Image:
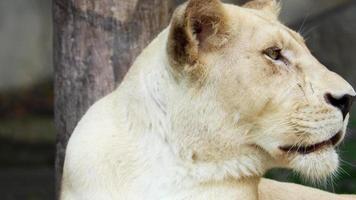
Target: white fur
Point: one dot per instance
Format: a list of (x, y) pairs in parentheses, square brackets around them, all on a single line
[(119, 149), (157, 138)]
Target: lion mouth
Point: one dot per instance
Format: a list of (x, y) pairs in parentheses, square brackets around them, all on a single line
[(315, 147)]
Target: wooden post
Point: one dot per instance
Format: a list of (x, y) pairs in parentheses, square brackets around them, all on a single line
[(95, 43)]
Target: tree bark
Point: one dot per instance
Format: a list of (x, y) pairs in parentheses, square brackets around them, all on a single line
[(95, 43)]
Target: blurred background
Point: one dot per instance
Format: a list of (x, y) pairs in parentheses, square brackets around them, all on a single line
[(27, 135)]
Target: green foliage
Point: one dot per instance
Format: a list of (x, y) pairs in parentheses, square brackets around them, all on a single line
[(353, 122), (28, 129)]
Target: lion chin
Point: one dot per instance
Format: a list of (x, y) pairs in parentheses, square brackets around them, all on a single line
[(318, 166), (315, 162)]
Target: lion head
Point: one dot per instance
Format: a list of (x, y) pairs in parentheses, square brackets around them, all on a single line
[(249, 95)]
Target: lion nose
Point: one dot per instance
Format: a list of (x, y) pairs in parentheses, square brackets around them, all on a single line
[(343, 103)]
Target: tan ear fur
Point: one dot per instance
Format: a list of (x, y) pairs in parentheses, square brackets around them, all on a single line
[(271, 6), (197, 27), (207, 21)]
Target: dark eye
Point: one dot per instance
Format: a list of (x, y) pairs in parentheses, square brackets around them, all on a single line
[(274, 53)]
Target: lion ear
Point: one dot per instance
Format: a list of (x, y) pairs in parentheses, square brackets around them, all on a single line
[(271, 6), (198, 26)]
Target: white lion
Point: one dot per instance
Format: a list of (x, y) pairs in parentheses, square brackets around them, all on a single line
[(222, 95)]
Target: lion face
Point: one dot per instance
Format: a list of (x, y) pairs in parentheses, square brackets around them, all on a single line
[(264, 92), (297, 108)]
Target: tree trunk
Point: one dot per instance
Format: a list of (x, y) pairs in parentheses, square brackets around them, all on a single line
[(95, 43)]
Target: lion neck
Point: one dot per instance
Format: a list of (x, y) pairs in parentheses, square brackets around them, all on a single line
[(177, 122)]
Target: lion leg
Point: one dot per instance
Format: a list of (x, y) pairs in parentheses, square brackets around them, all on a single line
[(274, 190)]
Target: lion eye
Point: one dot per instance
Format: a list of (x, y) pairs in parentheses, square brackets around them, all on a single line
[(274, 53)]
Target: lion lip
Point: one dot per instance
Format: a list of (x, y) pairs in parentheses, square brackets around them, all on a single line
[(333, 141)]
